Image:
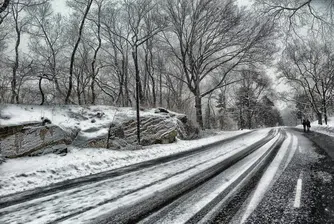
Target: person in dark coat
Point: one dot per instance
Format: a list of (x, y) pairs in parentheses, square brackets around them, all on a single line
[(304, 125), (308, 125)]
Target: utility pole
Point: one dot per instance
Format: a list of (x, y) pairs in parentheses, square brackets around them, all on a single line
[(135, 58)]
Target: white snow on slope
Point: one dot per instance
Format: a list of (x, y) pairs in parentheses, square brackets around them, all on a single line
[(69, 117), (30, 172)]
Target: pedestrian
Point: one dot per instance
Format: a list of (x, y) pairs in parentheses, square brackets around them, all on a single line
[(308, 124), (304, 125)]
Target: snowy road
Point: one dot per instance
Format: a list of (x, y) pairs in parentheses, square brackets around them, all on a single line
[(260, 177)]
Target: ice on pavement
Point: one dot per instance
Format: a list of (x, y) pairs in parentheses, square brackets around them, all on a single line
[(121, 191), (268, 177), (210, 159), (30, 172), (212, 189)]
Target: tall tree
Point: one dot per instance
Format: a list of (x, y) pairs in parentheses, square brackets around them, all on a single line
[(213, 37), (253, 86), (133, 13), (76, 45), (20, 21), (309, 65), (46, 44)]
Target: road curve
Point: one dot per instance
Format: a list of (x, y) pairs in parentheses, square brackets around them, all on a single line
[(132, 194)]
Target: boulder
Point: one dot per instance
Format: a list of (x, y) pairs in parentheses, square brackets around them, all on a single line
[(120, 136), (25, 140), (158, 130), (187, 130)]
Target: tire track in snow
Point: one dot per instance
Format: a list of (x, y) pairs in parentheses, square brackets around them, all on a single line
[(71, 202), (267, 179)]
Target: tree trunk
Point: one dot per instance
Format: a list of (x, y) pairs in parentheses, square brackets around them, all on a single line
[(160, 87), (154, 92), (319, 118), (94, 72), (15, 96), (78, 91), (138, 92), (324, 105), (249, 119), (41, 90), (241, 119), (198, 106), (70, 80), (208, 116), (126, 78)]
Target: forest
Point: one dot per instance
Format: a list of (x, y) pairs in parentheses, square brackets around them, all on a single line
[(210, 59)]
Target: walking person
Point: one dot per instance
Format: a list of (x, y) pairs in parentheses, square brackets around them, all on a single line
[(308, 124), (304, 125)]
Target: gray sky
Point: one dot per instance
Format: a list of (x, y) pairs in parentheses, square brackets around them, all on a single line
[(59, 5)]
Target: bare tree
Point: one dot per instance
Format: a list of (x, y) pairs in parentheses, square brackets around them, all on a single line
[(20, 22), (253, 86), (95, 70), (296, 16), (76, 45), (133, 12), (213, 37), (46, 43), (309, 66)]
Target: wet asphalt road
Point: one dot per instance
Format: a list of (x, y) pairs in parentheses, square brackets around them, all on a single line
[(313, 167), (299, 190)]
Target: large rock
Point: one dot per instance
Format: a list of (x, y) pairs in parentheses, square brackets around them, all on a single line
[(162, 128), (154, 130), (186, 129), (25, 140)]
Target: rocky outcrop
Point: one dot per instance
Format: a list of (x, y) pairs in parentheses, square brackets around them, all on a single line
[(160, 129), (158, 126), (187, 130), (32, 139)]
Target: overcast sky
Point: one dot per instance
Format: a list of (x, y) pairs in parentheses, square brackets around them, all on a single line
[(59, 5)]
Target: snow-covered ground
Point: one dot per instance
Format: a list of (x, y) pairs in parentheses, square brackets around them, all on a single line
[(70, 117), (30, 172), (324, 129), (111, 194)]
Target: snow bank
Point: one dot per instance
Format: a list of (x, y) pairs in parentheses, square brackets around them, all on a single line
[(30, 172), (69, 117)]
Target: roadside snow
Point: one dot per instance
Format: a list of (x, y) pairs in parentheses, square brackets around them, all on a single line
[(97, 198), (30, 172)]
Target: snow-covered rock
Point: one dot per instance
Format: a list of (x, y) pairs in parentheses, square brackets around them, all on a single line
[(88, 127), (154, 130), (32, 139)]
